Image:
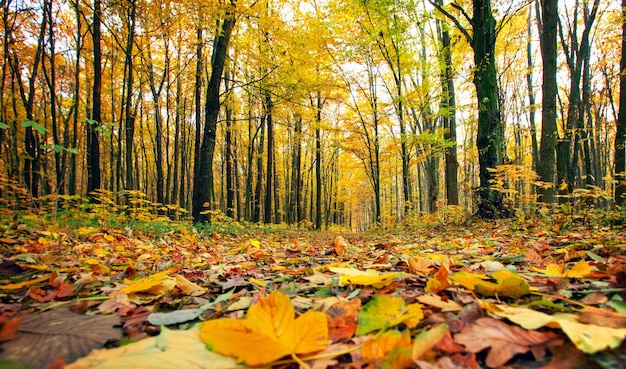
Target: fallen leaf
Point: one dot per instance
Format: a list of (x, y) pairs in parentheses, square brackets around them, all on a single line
[(44, 337), (508, 284), (602, 317), (187, 287), (579, 270), (145, 285), (504, 340), (438, 302), (170, 349), (420, 266), (342, 320), (341, 245), (426, 340), (390, 349), (383, 312), (438, 282), (268, 333), (589, 338)]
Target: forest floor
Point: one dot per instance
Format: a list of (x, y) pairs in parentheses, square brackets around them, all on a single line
[(539, 293)]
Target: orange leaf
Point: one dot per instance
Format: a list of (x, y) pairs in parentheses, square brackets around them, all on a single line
[(268, 333), (438, 282), (342, 319), (391, 349), (8, 328), (340, 244)]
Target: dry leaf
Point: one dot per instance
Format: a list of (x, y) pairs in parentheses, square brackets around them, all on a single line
[(391, 349), (342, 320), (504, 340), (438, 282), (341, 245), (602, 317)]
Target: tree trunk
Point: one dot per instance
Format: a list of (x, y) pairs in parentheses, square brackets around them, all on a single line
[(549, 134), (620, 136), (203, 178), (531, 93), (156, 88), (318, 163), (269, 174), (93, 149), (129, 116), (490, 135), (449, 119), (228, 148)]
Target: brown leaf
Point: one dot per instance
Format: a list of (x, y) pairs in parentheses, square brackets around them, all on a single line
[(43, 338), (602, 317), (343, 319), (595, 298), (505, 341)]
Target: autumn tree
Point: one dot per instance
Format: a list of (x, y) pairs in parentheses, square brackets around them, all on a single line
[(620, 135), (203, 177), (549, 134), (490, 135)]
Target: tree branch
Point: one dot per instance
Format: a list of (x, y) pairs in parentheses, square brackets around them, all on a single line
[(454, 19)]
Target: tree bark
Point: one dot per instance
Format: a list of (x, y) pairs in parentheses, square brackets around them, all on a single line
[(620, 136), (449, 120), (549, 134), (129, 115), (490, 135), (93, 149), (269, 174), (203, 178)]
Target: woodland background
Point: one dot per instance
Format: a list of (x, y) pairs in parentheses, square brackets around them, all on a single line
[(315, 113)]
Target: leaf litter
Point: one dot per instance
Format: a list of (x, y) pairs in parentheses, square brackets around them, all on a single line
[(504, 294)]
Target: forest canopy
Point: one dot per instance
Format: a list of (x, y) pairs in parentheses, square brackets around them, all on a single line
[(315, 113)]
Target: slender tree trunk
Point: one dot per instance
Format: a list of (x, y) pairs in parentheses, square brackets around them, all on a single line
[(228, 148), (50, 76), (318, 163), (93, 149), (269, 174), (198, 97), (295, 202), (256, 216), (156, 88), (531, 93), (129, 116), (203, 178), (620, 136)]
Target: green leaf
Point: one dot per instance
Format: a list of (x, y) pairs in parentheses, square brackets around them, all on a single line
[(4, 126), (38, 127)]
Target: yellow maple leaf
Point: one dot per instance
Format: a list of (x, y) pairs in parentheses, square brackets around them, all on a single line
[(579, 270), (269, 332)]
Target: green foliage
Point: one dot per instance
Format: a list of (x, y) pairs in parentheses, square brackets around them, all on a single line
[(36, 126)]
